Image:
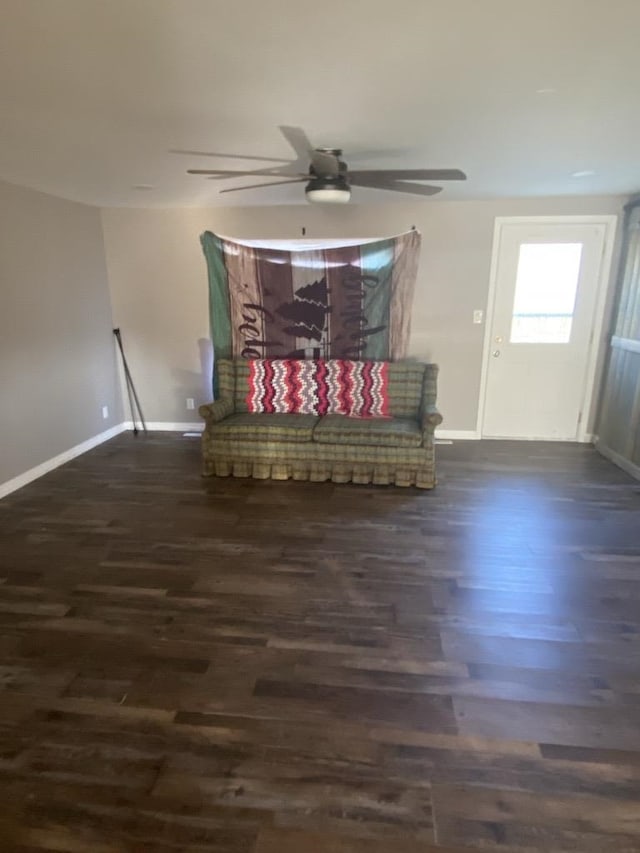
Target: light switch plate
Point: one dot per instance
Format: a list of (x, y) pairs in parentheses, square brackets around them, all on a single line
[(478, 315)]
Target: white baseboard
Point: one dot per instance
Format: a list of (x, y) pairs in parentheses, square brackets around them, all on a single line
[(168, 426), (457, 434), (40, 470)]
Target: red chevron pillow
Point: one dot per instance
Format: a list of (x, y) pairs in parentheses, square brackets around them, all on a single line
[(283, 386), (358, 389)]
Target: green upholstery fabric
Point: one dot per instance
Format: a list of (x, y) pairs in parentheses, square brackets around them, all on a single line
[(380, 432), (226, 374), (216, 411), (277, 427), (241, 385), (341, 463), (406, 379)]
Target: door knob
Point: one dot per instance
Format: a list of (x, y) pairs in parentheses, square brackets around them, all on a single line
[(496, 353)]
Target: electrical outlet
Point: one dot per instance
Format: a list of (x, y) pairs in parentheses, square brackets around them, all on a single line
[(105, 412), (478, 315), (190, 403)]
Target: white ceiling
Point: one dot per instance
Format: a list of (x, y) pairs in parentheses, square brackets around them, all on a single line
[(96, 95)]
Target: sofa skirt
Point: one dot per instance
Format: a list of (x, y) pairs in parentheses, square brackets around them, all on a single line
[(339, 463)]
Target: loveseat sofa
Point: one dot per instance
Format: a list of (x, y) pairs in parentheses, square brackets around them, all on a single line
[(394, 450)]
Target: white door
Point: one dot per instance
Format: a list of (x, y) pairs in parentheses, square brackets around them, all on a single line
[(546, 289)]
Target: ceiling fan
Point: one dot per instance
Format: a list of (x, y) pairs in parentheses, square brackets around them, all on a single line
[(328, 177)]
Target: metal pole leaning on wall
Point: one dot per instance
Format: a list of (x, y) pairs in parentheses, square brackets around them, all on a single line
[(131, 389)]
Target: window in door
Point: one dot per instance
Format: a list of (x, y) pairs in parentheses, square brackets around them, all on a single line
[(545, 293)]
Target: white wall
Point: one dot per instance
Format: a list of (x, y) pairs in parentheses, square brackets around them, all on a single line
[(158, 282), (57, 359)]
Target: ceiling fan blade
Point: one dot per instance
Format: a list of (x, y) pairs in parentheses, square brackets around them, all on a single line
[(229, 156), (410, 174), (325, 164), (226, 173), (272, 184), (395, 186), (298, 140)]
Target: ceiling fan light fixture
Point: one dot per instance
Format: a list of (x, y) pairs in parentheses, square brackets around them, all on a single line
[(333, 190)]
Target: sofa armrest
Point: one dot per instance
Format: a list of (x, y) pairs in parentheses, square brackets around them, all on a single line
[(430, 418), (216, 411)]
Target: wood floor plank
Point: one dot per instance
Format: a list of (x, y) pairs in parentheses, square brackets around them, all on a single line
[(520, 817), (279, 840), (609, 727)]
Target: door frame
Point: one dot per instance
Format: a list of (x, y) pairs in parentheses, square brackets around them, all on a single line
[(604, 277)]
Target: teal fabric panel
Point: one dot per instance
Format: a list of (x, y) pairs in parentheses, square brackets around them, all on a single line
[(219, 307), (376, 265)]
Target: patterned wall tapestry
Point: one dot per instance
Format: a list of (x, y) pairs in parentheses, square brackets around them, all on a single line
[(350, 302)]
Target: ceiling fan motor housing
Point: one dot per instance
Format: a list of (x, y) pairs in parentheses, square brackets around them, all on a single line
[(338, 167)]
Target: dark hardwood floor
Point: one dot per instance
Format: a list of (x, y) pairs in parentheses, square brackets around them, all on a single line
[(235, 665)]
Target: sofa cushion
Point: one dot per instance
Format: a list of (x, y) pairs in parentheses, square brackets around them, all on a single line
[(383, 432), (266, 427)]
